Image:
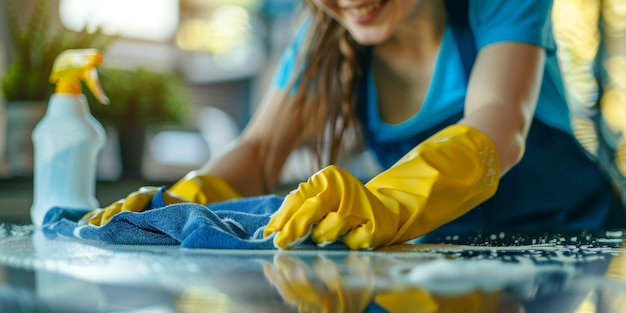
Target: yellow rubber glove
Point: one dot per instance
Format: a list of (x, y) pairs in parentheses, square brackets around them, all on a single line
[(196, 188), (321, 287), (436, 182)]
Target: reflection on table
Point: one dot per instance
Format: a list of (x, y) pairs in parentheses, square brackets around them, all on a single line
[(582, 272)]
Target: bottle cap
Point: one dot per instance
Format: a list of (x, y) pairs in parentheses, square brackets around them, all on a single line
[(76, 65)]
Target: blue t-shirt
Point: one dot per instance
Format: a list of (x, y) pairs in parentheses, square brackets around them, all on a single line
[(556, 184)]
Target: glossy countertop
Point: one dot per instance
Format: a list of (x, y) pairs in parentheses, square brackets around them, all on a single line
[(494, 272)]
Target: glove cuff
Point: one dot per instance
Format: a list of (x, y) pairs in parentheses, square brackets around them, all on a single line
[(439, 180), (204, 189), (458, 153), (464, 151)]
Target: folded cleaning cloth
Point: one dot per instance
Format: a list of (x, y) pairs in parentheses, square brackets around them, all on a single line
[(232, 224)]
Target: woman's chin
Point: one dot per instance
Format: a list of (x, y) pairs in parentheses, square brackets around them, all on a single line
[(370, 39)]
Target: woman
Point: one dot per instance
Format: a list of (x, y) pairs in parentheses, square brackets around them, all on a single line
[(478, 142)]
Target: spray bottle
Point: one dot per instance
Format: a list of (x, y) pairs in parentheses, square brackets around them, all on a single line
[(68, 138)]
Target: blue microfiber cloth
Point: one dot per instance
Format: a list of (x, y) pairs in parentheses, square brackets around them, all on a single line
[(232, 224)]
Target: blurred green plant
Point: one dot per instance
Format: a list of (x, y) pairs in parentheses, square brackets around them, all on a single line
[(36, 45), (141, 98)]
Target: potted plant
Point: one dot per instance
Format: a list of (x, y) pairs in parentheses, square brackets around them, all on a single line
[(36, 42), (140, 100)]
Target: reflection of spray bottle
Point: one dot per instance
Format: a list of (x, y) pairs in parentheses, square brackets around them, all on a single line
[(68, 138)]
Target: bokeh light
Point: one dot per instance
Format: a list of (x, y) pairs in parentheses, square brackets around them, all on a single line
[(227, 27), (141, 19), (591, 36)]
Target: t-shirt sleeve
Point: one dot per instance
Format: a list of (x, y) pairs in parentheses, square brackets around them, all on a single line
[(287, 64), (526, 21)]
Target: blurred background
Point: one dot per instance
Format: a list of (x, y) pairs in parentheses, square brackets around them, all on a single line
[(184, 71), (183, 78), (591, 38), (189, 73)]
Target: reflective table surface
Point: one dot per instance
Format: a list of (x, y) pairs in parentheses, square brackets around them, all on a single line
[(494, 272)]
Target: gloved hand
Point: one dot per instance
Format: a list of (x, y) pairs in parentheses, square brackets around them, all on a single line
[(436, 182), (134, 202), (196, 188), (321, 287)]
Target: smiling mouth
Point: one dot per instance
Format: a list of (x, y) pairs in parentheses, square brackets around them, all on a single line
[(365, 11)]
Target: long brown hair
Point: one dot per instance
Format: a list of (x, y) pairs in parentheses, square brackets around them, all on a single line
[(327, 75)]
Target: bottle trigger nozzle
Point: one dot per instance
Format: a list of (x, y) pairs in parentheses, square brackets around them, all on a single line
[(76, 65)]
